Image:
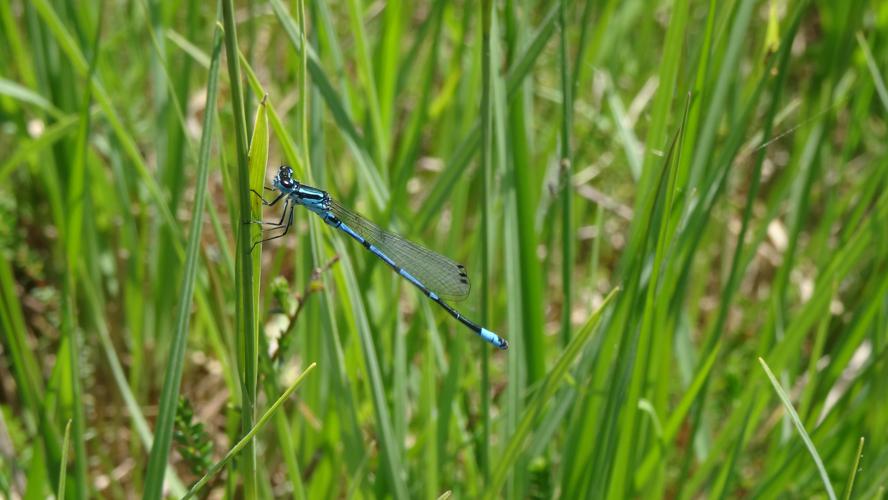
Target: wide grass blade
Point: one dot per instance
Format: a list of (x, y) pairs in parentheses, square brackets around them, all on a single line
[(258, 162), (247, 338)]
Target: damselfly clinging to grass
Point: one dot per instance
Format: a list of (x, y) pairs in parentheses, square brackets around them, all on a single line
[(435, 275)]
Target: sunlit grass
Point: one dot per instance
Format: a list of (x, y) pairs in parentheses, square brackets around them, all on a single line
[(649, 198)]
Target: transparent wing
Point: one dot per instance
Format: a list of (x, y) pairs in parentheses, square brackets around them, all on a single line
[(439, 274)]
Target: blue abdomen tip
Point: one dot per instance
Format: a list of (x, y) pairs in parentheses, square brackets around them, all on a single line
[(494, 339)]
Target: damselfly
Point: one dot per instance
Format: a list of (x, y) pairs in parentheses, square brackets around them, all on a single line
[(435, 275)]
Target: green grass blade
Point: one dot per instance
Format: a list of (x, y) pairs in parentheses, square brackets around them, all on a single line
[(878, 81), (25, 367), (245, 441), (139, 423), (366, 167), (378, 133), (48, 138), (487, 234), (459, 161), (79, 62), (36, 480), (524, 183), (21, 93), (391, 456), (258, 163), (568, 235), (548, 388), (784, 398), (63, 468), (76, 201), (163, 428), (246, 288), (677, 417), (852, 474)]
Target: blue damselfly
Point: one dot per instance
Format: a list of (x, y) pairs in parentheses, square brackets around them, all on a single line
[(436, 276)]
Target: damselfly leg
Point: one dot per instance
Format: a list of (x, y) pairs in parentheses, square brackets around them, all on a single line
[(272, 223), (266, 202), (277, 225), (286, 227)]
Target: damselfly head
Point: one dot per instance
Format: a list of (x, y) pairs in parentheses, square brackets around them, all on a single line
[(285, 177)]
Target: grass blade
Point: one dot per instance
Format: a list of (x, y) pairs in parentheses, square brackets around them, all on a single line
[(378, 133), (63, 468), (356, 143), (878, 81), (568, 235), (852, 474), (391, 455), (76, 201), (459, 161), (251, 433), (258, 162), (784, 398), (548, 388), (246, 288), (163, 427), (488, 197), (21, 93)]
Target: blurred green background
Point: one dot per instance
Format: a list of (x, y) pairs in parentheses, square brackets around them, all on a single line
[(675, 211)]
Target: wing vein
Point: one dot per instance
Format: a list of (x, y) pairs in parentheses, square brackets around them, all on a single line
[(441, 275)]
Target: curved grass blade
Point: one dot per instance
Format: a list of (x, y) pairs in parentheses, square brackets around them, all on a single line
[(21, 93), (549, 385), (248, 437), (103, 99), (801, 428)]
